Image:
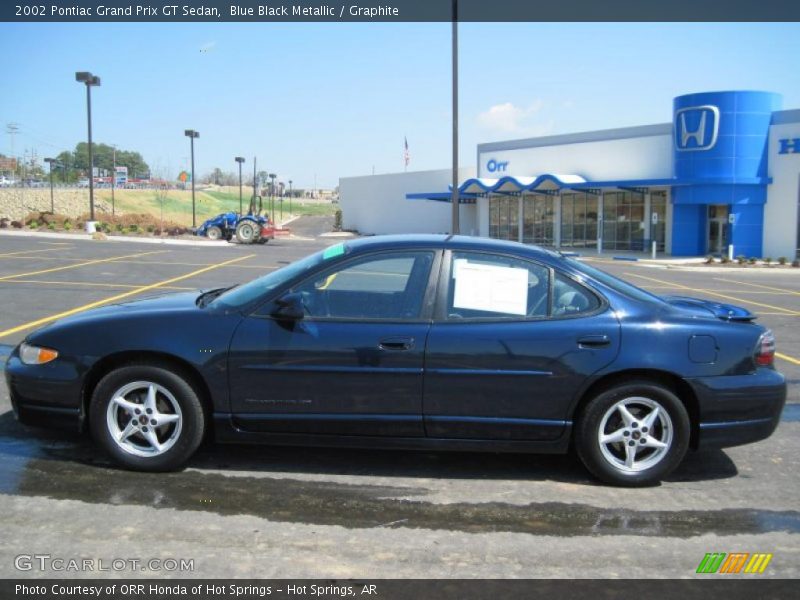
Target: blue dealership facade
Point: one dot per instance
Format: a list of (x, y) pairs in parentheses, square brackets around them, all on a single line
[(725, 171)]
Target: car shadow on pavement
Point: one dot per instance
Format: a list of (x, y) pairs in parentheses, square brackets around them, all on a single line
[(23, 441)]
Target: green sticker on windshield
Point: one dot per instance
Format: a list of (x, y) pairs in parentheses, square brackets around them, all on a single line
[(333, 251)]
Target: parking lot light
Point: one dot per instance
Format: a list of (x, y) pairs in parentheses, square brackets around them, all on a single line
[(240, 160), (191, 134), (89, 80), (272, 177), (51, 161)]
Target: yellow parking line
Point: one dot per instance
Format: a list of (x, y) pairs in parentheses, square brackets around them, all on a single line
[(128, 294), (90, 284), (31, 251), (735, 299), (133, 262), (83, 264), (758, 285), (790, 359)]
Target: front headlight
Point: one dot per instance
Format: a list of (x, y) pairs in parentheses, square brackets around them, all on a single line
[(36, 355)]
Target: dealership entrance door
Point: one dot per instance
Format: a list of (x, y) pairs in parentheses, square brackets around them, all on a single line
[(717, 232)]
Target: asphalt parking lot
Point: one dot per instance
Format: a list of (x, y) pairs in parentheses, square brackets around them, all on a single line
[(261, 511)]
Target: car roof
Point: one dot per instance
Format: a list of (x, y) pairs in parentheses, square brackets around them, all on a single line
[(453, 242)]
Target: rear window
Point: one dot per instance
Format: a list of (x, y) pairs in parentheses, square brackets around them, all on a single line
[(615, 283)]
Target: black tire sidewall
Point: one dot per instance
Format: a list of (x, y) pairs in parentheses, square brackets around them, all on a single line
[(218, 234), (589, 421), (192, 427)]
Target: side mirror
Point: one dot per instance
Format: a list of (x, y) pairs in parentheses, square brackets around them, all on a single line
[(290, 307)]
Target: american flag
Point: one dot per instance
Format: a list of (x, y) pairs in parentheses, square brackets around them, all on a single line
[(406, 154)]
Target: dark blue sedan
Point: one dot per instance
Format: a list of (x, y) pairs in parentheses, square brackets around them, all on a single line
[(429, 342)]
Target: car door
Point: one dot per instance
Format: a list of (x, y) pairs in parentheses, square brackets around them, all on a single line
[(353, 364), (512, 342)]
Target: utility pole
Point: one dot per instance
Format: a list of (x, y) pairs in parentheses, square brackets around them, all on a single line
[(454, 229), (290, 196), (255, 189), (12, 129), (272, 177)]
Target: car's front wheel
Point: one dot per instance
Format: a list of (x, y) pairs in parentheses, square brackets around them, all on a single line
[(633, 434), (148, 418)]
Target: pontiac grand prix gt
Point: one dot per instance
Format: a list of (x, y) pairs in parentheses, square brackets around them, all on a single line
[(411, 342)]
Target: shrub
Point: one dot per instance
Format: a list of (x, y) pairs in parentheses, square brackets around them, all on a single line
[(724, 260), (119, 227), (34, 224), (51, 226), (710, 260), (151, 228), (134, 228), (781, 260), (752, 260), (16, 224), (337, 221), (67, 226), (741, 259), (768, 260)]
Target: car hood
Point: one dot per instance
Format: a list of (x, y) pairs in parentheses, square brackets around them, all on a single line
[(167, 304), (705, 308)]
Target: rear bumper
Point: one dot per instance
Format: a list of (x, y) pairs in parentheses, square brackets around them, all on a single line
[(740, 409)]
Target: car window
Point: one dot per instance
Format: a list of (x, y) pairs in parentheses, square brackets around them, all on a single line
[(492, 286), (569, 297), (378, 287)]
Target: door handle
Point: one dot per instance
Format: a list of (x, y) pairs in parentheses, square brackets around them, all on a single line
[(396, 343), (593, 341)]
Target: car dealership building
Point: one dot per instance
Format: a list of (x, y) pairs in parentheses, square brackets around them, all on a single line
[(725, 171)]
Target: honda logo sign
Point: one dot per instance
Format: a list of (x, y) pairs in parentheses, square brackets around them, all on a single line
[(696, 128)]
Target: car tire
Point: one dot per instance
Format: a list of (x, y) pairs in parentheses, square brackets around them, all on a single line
[(246, 232), (638, 418), (124, 415), (214, 233)]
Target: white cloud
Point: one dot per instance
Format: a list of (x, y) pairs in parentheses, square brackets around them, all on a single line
[(507, 119)]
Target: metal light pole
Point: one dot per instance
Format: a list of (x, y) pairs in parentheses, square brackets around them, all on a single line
[(89, 80), (255, 189), (192, 134), (50, 162), (455, 225), (290, 196), (240, 160), (113, 177), (272, 176)]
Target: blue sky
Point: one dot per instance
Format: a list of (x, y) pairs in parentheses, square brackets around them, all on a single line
[(337, 99)]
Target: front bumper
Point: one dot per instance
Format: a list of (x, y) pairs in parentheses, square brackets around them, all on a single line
[(45, 395), (738, 409)]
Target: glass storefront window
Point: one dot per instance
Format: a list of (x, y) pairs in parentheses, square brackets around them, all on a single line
[(504, 217), (538, 219), (578, 220), (623, 221), (658, 205)]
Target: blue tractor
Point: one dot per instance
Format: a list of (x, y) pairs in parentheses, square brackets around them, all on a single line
[(247, 229)]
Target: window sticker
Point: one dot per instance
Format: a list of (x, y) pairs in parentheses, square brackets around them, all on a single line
[(333, 251), (490, 288)]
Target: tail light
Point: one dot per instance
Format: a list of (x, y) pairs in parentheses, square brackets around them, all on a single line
[(765, 349)]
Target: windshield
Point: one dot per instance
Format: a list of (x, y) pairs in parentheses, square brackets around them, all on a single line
[(244, 294), (615, 283)]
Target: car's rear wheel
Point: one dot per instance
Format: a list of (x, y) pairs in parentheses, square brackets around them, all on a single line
[(146, 417), (633, 434), (214, 233)]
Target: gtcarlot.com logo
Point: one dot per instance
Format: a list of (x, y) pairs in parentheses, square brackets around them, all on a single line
[(48, 562), (734, 562)]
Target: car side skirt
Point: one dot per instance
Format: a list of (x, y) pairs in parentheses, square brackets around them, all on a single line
[(226, 431)]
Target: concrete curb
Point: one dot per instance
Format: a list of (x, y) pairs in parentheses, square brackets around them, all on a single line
[(85, 237)]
